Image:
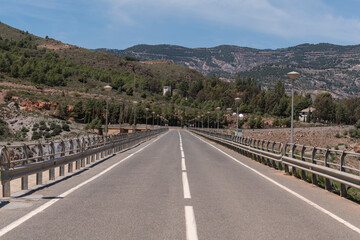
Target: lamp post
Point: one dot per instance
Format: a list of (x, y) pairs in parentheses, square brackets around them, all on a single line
[(107, 89), (153, 113), (135, 102), (158, 119), (241, 117), (146, 110), (292, 75), (218, 111), (208, 113), (237, 100)]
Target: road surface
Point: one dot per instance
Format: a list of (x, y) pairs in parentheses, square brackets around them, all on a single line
[(179, 186)]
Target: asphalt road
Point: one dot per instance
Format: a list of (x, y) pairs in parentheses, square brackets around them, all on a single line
[(179, 186)]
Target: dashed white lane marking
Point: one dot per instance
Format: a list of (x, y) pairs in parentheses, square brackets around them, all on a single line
[(191, 231), (323, 210), (31, 214), (183, 166), (186, 187)]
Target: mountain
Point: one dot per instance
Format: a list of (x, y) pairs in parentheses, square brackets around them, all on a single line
[(323, 67)]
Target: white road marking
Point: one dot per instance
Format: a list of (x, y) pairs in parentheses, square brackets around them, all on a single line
[(183, 166), (182, 154), (191, 231), (186, 187), (26, 217), (323, 210)]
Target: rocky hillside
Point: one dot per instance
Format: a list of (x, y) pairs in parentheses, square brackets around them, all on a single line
[(323, 67)]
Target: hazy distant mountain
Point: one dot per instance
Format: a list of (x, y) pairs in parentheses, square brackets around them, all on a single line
[(322, 66)]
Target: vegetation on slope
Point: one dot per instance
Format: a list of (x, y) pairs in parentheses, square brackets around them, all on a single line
[(78, 76)]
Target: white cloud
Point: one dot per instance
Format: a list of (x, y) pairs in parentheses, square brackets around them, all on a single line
[(307, 19)]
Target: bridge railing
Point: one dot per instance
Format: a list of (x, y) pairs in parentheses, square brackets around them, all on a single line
[(20, 161), (314, 164)]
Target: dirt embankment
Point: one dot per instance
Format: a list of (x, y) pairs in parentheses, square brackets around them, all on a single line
[(309, 136)]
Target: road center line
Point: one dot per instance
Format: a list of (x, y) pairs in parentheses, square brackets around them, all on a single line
[(191, 231), (183, 166), (186, 187), (323, 210), (31, 214)]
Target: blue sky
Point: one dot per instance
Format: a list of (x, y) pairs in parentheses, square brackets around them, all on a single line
[(191, 23)]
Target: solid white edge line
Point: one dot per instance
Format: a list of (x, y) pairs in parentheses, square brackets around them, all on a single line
[(183, 166), (323, 210), (186, 187), (191, 230), (34, 212)]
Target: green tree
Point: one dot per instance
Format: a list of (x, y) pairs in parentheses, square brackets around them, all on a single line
[(324, 107)]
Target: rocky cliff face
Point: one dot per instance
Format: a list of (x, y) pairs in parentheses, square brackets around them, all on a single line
[(323, 67)]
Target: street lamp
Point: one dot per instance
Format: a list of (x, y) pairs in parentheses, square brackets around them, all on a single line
[(135, 102), (292, 75), (218, 111), (107, 89), (146, 110), (237, 100), (153, 113), (241, 117), (158, 119)]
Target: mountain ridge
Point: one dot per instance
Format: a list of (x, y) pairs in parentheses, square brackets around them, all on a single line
[(323, 66)]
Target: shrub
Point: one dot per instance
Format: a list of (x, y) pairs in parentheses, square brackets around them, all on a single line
[(337, 135), (345, 133), (47, 135), (276, 122), (52, 126), (35, 136), (357, 124), (57, 130), (129, 91), (24, 130), (286, 122), (259, 122), (66, 127), (353, 133)]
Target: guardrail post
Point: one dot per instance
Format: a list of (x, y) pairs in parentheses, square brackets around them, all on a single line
[(286, 167), (93, 157), (313, 160), (24, 180), (62, 167), (293, 169), (102, 152), (70, 165), (273, 151), (343, 190), (83, 145), (326, 159), (5, 162), (87, 145), (78, 149), (52, 156), (267, 159), (303, 173), (39, 175)]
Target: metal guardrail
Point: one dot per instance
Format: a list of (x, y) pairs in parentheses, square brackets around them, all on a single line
[(339, 166), (20, 161)]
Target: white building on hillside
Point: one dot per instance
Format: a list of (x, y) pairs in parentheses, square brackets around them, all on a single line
[(166, 89)]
